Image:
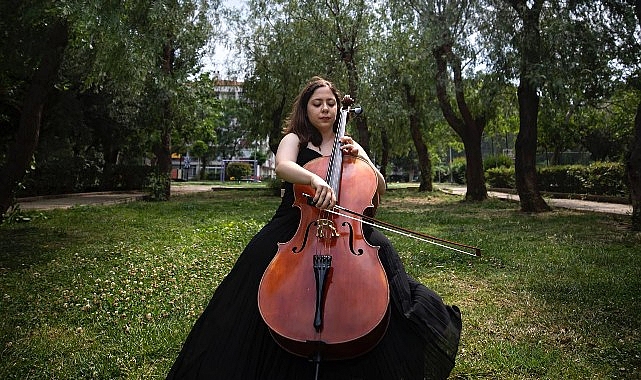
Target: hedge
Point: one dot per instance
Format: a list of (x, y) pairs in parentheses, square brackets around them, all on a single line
[(238, 171), (79, 176), (599, 178)]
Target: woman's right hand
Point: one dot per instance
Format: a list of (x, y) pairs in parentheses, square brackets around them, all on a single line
[(324, 197), (290, 171)]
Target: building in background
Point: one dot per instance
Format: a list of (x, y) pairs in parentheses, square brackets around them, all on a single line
[(244, 149)]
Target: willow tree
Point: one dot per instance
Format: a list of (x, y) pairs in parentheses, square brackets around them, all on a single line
[(512, 34), (529, 47), (283, 52), (568, 54), (451, 23), (404, 89), (343, 26)]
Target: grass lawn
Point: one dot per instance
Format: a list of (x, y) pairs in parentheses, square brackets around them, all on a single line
[(111, 292)]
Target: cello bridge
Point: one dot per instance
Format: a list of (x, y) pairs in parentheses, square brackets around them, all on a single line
[(325, 226)]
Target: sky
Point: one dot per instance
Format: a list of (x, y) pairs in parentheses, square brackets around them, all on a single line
[(218, 61)]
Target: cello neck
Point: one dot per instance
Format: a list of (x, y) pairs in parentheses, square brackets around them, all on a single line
[(334, 170)]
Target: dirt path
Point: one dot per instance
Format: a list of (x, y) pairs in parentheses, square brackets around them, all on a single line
[(99, 198), (574, 204)]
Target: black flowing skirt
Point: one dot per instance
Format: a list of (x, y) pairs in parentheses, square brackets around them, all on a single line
[(231, 341)]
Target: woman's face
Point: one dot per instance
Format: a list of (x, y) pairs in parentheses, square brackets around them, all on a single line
[(322, 109)]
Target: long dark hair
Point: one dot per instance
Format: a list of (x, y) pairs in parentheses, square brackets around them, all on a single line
[(298, 121)]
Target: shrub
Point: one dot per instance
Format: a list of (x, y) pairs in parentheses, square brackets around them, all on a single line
[(62, 175), (458, 170), (157, 186), (274, 185), (497, 161), (599, 178), (238, 170), (500, 177), (562, 179), (606, 178)]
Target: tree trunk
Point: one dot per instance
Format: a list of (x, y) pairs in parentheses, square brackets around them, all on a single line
[(163, 155), (474, 173), (385, 152), (277, 126), (468, 127), (424, 161), (363, 132), (21, 150), (163, 148), (525, 160), (109, 168), (633, 167)]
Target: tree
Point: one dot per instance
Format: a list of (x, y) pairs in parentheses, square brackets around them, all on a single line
[(505, 122), (343, 26), (606, 128), (633, 168), (633, 163), (530, 81), (561, 52), (183, 31), (450, 20), (200, 150), (351, 21), (47, 57), (441, 30), (202, 111), (111, 43), (403, 89), (278, 45), (579, 77), (557, 130)]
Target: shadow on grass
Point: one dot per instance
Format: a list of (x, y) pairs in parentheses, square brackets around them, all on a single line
[(25, 245)]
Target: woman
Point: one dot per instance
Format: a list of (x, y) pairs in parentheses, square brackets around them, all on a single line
[(230, 339)]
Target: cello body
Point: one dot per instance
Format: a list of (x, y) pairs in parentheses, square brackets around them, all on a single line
[(325, 293)]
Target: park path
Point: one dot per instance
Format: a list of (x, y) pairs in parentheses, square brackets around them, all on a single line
[(573, 204), (97, 198), (105, 198)]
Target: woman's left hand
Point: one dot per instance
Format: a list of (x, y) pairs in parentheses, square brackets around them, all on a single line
[(349, 146)]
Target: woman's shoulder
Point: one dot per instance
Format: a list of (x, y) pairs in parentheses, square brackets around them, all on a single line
[(291, 136), (288, 145)]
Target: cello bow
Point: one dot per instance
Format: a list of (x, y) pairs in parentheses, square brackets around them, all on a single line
[(443, 243)]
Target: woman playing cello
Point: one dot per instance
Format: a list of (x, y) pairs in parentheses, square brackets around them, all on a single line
[(230, 340)]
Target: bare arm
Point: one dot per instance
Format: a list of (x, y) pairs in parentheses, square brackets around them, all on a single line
[(290, 171)]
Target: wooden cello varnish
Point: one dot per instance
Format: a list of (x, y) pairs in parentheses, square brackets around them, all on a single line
[(325, 294)]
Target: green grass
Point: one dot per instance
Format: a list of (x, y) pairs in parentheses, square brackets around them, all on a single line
[(111, 292)]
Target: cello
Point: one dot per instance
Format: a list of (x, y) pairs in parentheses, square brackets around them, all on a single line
[(325, 294)]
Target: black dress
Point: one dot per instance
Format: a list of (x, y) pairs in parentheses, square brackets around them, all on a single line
[(230, 340)]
